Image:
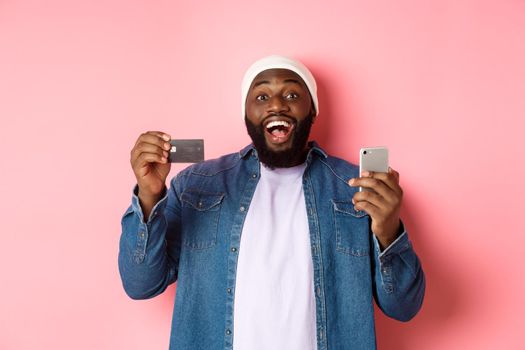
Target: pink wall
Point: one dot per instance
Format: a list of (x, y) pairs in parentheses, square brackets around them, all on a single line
[(442, 83)]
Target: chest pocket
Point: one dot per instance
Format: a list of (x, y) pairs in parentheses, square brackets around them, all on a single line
[(352, 229), (200, 218)]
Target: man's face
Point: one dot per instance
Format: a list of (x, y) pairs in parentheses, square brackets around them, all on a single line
[(279, 115)]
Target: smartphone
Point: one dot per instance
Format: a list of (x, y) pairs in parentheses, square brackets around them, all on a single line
[(373, 159), (186, 151)]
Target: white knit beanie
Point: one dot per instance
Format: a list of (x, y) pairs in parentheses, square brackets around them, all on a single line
[(276, 62)]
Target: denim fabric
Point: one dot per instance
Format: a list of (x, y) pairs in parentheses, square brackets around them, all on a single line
[(192, 236)]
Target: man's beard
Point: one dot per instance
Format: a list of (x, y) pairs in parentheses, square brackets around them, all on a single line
[(286, 158)]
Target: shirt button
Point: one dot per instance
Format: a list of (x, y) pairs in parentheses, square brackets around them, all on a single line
[(318, 291), (254, 176), (199, 204), (242, 208), (141, 234), (229, 290), (233, 249), (228, 332)]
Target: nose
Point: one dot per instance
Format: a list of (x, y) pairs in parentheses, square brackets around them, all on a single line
[(277, 104)]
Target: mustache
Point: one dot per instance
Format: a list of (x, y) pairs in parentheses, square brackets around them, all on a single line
[(278, 115)]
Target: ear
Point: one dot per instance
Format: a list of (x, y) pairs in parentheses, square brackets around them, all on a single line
[(313, 112)]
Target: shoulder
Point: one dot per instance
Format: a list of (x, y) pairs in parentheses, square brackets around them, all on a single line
[(337, 167), (212, 167), (340, 165), (218, 165), (198, 172)]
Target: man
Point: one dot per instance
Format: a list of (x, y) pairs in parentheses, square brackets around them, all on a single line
[(273, 247)]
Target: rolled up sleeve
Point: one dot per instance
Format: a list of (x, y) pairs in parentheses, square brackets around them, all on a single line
[(399, 280), (149, 249)]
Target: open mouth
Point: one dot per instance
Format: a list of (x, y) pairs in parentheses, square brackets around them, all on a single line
[(279, 131)]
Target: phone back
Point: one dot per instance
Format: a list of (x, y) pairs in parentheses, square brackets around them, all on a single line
[(373, 159)]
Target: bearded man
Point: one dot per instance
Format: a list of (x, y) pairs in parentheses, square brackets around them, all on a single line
[(272, 247)]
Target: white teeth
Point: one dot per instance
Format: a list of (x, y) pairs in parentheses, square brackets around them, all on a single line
[(277, 123)]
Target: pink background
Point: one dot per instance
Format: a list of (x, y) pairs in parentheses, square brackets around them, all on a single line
[(441, 83)]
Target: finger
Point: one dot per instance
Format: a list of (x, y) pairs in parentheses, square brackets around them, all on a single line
[(374, 184), (154, 140), (393, 171), (144, 147), (150, 148), (372, 198), (388, 195), (153, 137), (146, 158), (390, 179), (160, 134), (368, 208)]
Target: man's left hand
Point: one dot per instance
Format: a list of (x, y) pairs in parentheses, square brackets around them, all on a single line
[(382, 203)]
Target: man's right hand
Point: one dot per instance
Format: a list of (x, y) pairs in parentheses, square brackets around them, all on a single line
[(149, 161)]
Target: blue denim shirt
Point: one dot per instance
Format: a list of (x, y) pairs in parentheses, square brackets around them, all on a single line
[(193, 234)]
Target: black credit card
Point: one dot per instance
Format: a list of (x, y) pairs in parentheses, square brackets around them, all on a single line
[(186, 151)]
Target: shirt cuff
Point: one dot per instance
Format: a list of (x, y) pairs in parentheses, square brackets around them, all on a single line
[(157, 209), (396, 246)]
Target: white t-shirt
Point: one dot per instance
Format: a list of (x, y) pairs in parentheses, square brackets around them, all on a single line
[(274, 296)]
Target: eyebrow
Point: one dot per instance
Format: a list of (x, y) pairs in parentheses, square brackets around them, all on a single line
[(294, 81)]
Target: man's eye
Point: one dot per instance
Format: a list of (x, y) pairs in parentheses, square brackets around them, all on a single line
[(292, 96), (262, 98)]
